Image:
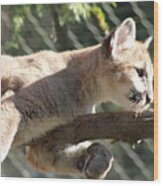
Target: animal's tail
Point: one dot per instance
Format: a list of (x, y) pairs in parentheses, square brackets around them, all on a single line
[(13, 83)]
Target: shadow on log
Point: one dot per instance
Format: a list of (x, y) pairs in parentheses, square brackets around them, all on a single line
[(110, 125)]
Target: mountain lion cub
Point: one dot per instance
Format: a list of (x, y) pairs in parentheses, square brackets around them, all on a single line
[(44, 90)]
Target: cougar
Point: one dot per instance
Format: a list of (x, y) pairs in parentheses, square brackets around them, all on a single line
[(44, 90)]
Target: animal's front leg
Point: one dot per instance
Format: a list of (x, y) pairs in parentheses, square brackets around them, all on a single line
[(87, 159)]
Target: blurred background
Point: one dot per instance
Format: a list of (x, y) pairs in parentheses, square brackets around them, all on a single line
[(29, 28)]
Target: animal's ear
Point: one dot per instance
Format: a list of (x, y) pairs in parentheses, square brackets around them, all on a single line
[(148, 41), (123, 37)]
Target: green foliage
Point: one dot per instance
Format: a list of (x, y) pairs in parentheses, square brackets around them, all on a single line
[(80, 10), (18, 19), (67, 13), (73, 12), (76, 12), (40, 10), (99, 14), (114, 4)]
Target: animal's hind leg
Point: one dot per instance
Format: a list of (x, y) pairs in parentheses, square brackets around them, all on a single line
[(10, 118), (90, 160)]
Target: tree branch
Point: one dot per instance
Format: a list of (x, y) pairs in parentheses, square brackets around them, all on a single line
[(115, 125)]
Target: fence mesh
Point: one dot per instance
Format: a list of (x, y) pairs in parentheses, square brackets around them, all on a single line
[(30, 28)]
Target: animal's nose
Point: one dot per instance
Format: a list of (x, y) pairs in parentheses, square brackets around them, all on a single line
[(137, 96)]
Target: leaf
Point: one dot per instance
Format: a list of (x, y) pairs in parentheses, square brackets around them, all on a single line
[(100, 16)]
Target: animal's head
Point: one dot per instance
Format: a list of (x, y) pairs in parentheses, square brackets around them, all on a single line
[(129, 73)]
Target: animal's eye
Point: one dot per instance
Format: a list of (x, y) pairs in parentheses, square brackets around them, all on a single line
[(140, 71)]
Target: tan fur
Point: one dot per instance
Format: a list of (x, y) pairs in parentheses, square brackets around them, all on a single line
[(52, 88)]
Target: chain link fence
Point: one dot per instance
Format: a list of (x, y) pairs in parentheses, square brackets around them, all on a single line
[(30, 28)]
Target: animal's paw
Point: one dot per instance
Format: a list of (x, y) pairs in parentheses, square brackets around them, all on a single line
[(96, 163)]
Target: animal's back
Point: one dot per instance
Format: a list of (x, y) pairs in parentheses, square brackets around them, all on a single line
[(24, 70)]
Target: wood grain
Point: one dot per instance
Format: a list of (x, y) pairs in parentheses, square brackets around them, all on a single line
[(121, 126)]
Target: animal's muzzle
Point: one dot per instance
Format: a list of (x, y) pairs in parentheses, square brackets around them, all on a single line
[(136, 96)]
